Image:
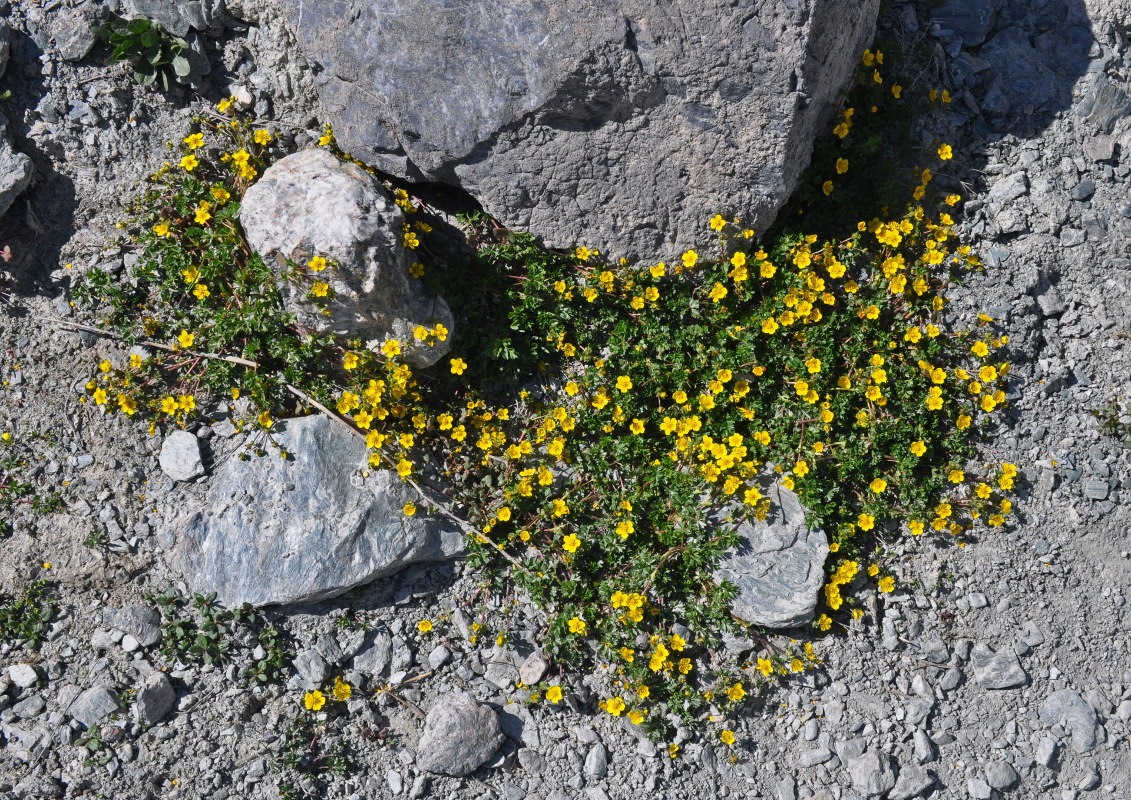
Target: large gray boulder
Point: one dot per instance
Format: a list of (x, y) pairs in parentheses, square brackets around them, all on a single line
[(177, 16), (621, 125), (459, 736), (311, 203), (304, 528), (778, 566)]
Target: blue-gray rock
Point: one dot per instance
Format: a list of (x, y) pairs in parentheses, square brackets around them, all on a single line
[(1104, 104), (311, 668), (1078, 716), (311, 203), (23, 675), (778, 566), (138, 620), (178, 16), (1037, 74), (73, 31), (997, 670), (154, 699), (1009, 188), (620, 125), (5, 46), (970, 19), (872, 774), (1001, 775), (15, 174), (94, 705), (913, 781), (459, 736), (298, 529), (180, 457), (597, 762), (1083, 190), (374, 656)]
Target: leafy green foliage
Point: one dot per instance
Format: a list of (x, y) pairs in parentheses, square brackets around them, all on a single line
[(202, 631), (24, 618), (156, 54)]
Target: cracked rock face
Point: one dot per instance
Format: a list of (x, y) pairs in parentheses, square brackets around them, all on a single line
[(778, 566), (304, 528), (459, 736), (619, 125)]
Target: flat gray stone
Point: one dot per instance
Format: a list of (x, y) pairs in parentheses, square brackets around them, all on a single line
[(139, 621), (997, 670), (375, 654), (93, 705), (1079, 717), (180, 457), (618, 125), (913, 781), (311, 203), (15, 175), (533, 669), (23, 675), (872, 774), (311, 668), (154, 699), (178, 16), (778, 566), (597, 762), (1001, 775), (1009, 188), (299, 530), (73, 31), (459, 736)]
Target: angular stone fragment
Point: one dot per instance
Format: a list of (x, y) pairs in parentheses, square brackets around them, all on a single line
[(155, 699), (94, 705), (620, 125), (1067, 705), (178, 16), (304, 528), (23, 675), (872, 774), (778, 566), (311, 203), (913, 781), (459, 736), (15, 174), (180, 456), (139, 621), (997, 670)]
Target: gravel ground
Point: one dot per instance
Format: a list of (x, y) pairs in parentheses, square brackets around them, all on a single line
[(1000, 668)]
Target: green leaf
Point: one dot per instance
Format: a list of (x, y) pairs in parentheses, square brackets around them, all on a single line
[(181, 66), (145, 78), (139, 25)]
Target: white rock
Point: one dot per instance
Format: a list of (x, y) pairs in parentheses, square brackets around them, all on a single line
[(180, 456), (23, 675)]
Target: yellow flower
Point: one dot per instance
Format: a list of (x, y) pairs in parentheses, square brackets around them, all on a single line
[(824, 622), (980, 350), (342, 690), (582, 253), (202, 215), (458, 366), (866, 522), (262, 137), (841, 166), (736, 692), (265, 420), (554, 694), (161, 229), (194, 140), (624, 383), (689, 259), (945, 152), (424, 626), (727, 737), (314, 700), (615, 706), (409, 509), (878, 485), (635, 717), (765, 666), (220, 193), (169, 405), (570, 543), (319, 289), (189, 162), (827, 187), (956, 476), (918, 448), (201, 291), (100, 396), (317, 264), (887, 584), (896, 90), (186, 339), (127, 404), (577, 626)]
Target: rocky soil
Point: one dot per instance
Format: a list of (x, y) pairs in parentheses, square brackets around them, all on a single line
[(999, 668)]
